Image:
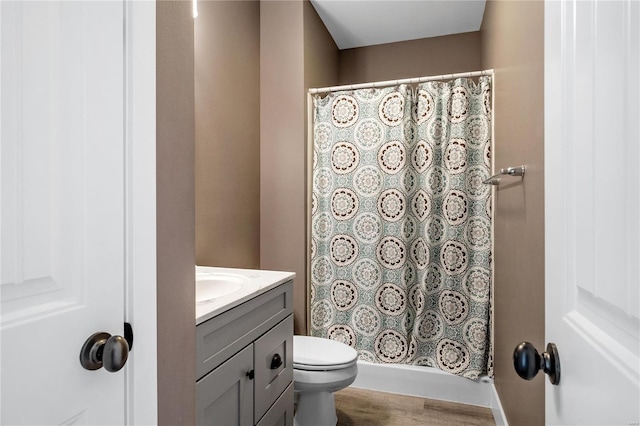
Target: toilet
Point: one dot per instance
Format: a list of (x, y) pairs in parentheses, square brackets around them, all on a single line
[(320, 367)]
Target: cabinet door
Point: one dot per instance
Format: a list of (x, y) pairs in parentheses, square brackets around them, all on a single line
[(225, 396), (273, 364), (281, 412)]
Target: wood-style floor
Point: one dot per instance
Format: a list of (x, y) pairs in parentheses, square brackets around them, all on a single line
[(361, 407)]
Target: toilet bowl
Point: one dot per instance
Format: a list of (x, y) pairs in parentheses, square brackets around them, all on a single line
[(320, 367)]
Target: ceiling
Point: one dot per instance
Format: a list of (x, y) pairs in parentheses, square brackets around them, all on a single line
[(357, 23)]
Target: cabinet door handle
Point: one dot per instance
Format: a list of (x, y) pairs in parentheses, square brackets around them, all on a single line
[(251, 374), (276, 361)]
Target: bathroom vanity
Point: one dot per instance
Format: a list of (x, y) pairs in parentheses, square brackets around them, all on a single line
[(244, 342)]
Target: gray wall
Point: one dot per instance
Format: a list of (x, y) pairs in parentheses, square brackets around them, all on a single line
[(282, 147), (513, 44), (321, 55), (227, 168), (414, 58), (251, 132), (175, 213)]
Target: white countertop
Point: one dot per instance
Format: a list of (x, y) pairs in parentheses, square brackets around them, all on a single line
[(253, 282)]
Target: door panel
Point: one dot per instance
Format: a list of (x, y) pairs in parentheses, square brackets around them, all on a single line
[(62, 202), (592, 190)]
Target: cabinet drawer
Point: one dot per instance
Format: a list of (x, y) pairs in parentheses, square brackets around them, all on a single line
[(224, 335), (281, 413), (273, 363)]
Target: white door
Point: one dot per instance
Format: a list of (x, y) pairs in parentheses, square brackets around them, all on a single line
[(63, 210), (592, 216)]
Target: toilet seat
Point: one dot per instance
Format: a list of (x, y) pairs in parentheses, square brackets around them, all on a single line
[(318, 354), (311, 367)]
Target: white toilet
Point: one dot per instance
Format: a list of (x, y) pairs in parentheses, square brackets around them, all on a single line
[(320, 367)]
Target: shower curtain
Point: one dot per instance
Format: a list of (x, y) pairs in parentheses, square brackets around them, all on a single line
[(401, 223)]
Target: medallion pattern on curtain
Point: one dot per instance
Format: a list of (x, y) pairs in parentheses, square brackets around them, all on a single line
[(401, 223)]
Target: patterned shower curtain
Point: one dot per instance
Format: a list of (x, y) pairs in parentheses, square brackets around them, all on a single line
[(401, 224)]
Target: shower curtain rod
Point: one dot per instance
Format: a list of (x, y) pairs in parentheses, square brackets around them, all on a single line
[(404, 81)]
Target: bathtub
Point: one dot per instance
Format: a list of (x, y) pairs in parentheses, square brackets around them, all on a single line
[(427, 382)]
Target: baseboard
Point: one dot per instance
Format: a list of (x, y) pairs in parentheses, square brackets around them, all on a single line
[(425, 382), (496, 408)]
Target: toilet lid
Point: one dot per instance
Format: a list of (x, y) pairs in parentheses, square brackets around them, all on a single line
[(316, 353)]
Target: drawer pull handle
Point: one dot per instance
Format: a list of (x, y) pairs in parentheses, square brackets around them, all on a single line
[(251, 374), (276, 361)]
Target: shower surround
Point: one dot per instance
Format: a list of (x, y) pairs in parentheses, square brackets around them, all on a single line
[(401, 224)]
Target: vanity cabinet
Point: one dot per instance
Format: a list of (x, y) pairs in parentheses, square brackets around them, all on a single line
[(245, 363)]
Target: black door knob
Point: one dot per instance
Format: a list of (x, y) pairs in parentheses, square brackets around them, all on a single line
[(527, 362), (104, 350), (276, 362)]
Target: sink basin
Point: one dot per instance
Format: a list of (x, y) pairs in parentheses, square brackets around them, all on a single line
[(212, 286), (220, 289)]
